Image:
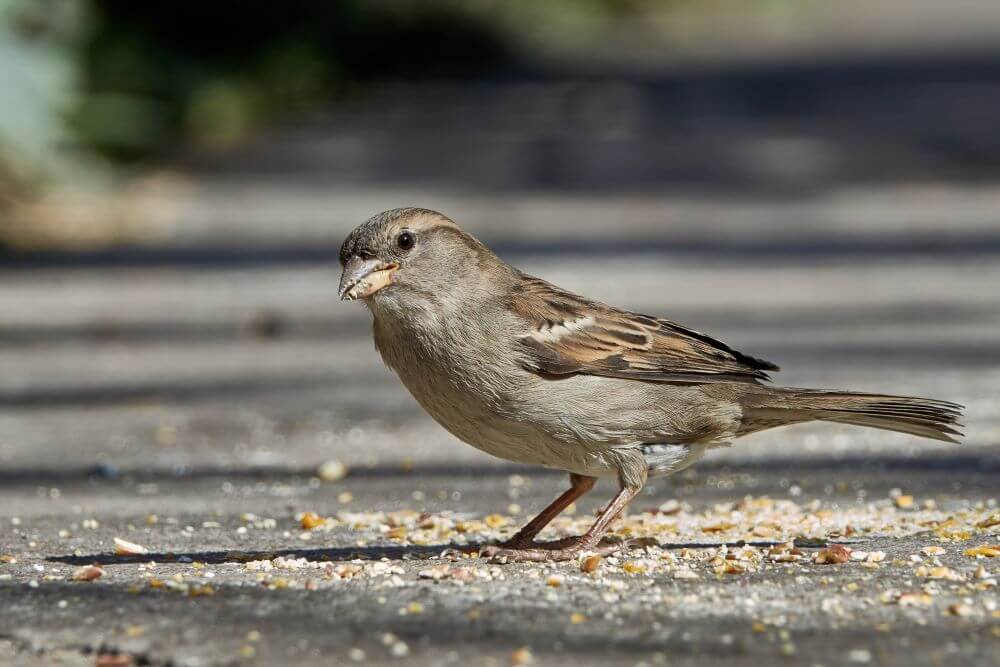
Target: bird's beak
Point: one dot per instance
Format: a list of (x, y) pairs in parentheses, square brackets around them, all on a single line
[(363, 277)]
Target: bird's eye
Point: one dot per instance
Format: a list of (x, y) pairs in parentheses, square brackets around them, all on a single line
[(405, 240)]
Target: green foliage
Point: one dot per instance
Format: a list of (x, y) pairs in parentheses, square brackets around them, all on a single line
[(153, 75)]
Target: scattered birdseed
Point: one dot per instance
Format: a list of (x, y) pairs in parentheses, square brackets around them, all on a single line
[(521, 656), (859, 655), (591, 563), (960, 609), (331, 471), (200, 590), (88, 573), (987, 551), (728, 567), (436, 572), (311, 520), (125, 548), (914, 600), (671, 506), (834, 554), (634, 567), (720, 527), (940, 572)]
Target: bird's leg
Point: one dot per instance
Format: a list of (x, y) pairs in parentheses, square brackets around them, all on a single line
[(524, 538), (572, 547)]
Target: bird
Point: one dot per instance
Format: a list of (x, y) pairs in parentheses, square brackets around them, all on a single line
[(534, 374)]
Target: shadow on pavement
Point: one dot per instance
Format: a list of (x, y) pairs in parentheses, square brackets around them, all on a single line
[(972, 464), (762, 127), (102, 474), (904, 354), (436, 552), (948, 244), (276, 325), (177, 392)]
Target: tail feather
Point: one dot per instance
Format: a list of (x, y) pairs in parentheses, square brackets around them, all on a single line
[(925, 417), (922, 429)]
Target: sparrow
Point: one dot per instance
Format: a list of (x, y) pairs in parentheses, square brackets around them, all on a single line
[(534, 374)]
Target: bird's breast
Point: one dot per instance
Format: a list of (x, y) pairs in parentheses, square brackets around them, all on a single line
[(471, 390)]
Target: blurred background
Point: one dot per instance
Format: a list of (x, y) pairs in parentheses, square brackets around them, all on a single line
[(816, 183)]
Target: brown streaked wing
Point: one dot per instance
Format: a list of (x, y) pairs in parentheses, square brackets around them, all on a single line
[(570, 334)]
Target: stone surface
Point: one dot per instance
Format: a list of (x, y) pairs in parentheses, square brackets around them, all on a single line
[(209, 376)]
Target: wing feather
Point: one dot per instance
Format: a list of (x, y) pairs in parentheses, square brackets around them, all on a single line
[(569, 334)]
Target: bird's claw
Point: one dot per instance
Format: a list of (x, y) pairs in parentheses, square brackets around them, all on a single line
[(569, 548), (491, 550)]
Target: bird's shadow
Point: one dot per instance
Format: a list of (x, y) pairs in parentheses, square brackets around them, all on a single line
[(342, 554), (333, 554)]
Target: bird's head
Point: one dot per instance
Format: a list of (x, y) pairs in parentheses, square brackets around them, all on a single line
[(413, 256)]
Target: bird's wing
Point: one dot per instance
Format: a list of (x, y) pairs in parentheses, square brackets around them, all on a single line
[(570, 335)]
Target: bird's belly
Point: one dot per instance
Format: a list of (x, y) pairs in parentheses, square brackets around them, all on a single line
[(578, 424), (487, 431), (663, 460), (473, 419)]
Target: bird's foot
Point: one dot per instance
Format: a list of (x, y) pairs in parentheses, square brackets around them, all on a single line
[(518, 543), (568, 548), (513, 544)]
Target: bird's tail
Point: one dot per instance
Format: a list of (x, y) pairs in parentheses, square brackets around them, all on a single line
[(925, 417)]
